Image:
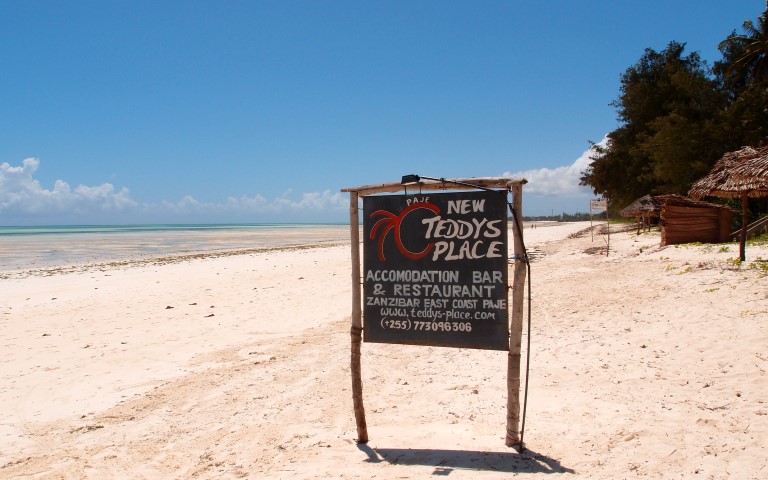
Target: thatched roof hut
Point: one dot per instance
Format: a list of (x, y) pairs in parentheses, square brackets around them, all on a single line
[(643, 206), (743, 173), (737, 173), (686, 220), (676, 200), (643, 210)]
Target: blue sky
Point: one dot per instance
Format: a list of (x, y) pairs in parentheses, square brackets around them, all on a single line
[(261, 111)]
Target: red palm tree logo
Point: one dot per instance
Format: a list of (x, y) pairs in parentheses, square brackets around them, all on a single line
[(392, 221)]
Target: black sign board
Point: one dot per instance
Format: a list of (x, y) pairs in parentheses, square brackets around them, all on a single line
[(435, 269)]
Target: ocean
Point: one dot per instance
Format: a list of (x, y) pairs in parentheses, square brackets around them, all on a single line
[(54, 246)]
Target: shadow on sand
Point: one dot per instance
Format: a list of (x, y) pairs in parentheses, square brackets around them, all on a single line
[(446, 461)]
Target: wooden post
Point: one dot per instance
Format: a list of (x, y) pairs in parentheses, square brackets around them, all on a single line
[(744, 225), (725, 225), (356, 333), (608, 226), (516, 324)]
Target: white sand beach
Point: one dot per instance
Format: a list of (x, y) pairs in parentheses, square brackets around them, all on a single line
[(646, 361)]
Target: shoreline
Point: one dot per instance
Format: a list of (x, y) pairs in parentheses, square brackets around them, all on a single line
[(155, 261), (135, 257), (91, 245)]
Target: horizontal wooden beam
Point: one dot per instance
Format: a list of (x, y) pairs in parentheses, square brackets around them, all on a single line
[(442, 184)]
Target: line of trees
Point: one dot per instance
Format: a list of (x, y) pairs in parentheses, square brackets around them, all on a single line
[(678, 116), (565, 217)]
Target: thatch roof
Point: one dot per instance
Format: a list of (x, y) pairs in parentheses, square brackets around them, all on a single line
[(651, 206), (643, 206), (676, 200), (737, 173)]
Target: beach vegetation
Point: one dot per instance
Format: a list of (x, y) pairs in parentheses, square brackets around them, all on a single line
[(687, 269), (678, 116), (734, 262), (760, 264), (749, 313), (759, 240), (724, 249)]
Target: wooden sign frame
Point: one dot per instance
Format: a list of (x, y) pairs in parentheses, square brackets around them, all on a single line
[(515, 187)]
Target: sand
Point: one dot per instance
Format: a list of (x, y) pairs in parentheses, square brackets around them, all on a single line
[(648, 361)]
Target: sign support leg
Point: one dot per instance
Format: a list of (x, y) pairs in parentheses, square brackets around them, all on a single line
[(516, 325), (357, 322)]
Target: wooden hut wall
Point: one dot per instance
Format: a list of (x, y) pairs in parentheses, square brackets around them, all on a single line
[(692, 224), (725, 225)]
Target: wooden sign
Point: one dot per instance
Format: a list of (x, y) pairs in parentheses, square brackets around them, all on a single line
[(435, 269), (598, 205)]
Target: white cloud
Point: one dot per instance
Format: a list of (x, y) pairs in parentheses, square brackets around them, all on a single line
[(308, 205), (560, 181), (21, 195), (315, 201), (24, 201)]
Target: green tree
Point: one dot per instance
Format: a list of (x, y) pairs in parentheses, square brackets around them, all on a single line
[(743, 76), (669, 109), (745, 57)]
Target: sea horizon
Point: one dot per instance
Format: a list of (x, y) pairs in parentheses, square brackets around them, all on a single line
[(49, 246), (74, 228)]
